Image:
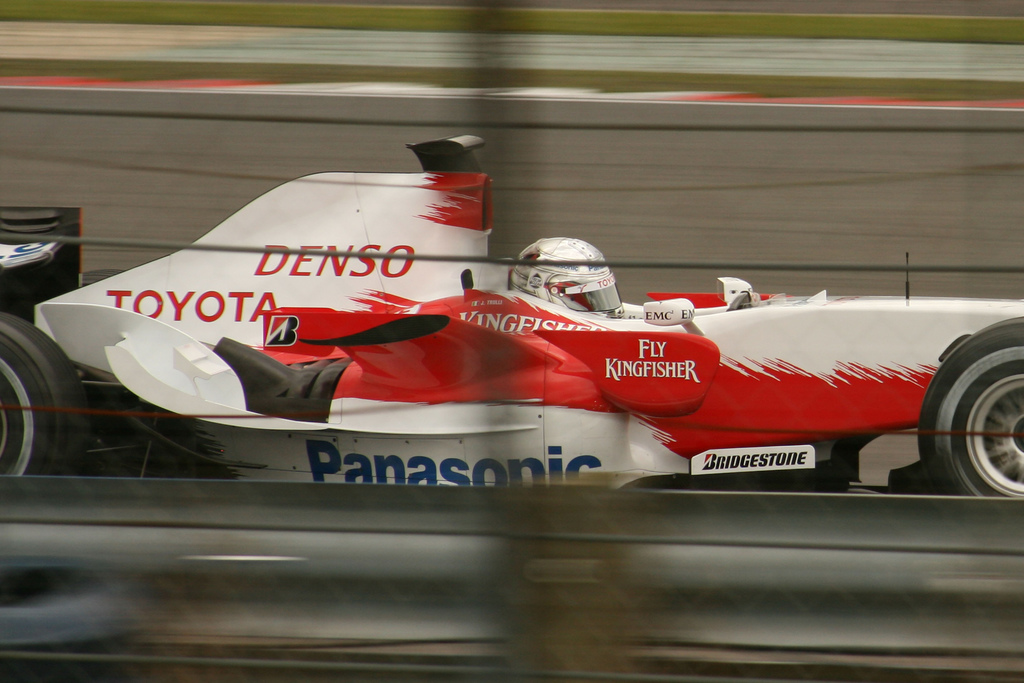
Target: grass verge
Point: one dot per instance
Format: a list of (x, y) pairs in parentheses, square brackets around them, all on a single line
[(942, 29)]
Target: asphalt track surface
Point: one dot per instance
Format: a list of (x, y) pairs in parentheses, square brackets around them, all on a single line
[(832, 58), (445, 50), (719, 182)]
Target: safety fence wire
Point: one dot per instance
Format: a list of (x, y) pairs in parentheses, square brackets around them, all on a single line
[(639, 264)]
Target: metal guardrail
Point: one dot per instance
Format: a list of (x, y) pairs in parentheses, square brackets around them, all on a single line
[(439, 583)]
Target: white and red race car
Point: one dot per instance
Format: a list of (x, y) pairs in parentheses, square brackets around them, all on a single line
[(319, 350)]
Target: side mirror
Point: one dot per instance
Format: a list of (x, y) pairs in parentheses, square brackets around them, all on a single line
[(669, 312), (737, 293)]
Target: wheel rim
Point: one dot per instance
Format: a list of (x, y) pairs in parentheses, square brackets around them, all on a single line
[(995, 441), (4, 430), (15, 453)]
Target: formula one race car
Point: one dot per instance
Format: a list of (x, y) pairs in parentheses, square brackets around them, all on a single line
[(356, 332)]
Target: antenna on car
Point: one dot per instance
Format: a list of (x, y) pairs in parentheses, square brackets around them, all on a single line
[(907, 281)]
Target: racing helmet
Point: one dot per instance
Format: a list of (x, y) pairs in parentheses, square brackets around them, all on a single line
[(577, 287)]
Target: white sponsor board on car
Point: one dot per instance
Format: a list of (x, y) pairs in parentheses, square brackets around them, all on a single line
[(732, 460)]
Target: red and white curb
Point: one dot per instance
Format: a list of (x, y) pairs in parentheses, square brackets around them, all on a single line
[(408, 89)]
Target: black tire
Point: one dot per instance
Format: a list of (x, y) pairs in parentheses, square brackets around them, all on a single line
[(973, 406), (43, 429)]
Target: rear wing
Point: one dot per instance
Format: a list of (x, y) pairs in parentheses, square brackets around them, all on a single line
[(454, 154)]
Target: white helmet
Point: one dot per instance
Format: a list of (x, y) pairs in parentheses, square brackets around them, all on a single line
[(578, 287)]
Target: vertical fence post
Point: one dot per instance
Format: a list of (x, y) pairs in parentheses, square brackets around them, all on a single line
[(573, 606)]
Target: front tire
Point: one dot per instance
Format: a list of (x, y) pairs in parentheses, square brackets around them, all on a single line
[(42, 425), (972, 419)]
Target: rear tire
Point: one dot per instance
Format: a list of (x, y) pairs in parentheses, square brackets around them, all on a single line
[(973, 406), (42, 425)]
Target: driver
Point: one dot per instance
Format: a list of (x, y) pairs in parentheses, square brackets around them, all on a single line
[(577, 287)]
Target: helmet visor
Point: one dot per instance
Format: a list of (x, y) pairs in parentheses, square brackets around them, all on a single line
[(598, 296)]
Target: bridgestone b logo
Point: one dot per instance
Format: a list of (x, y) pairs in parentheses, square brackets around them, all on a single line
[(282, 330), (729, 460)]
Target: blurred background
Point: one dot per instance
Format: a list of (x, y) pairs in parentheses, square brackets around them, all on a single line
[(711, 135), (720, 135)]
